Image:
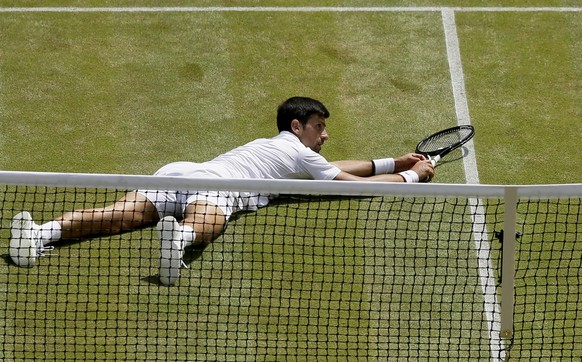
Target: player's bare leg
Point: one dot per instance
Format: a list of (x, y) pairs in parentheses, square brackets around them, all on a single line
[(131, 212), (30, 240)]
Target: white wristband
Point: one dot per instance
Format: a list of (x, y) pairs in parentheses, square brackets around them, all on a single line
[(383, 165), (409, 176)]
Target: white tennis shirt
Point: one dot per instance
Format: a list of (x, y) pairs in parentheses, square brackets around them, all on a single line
[(279, 157)]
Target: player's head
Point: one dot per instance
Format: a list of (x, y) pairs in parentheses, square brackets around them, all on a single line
[(305, 118), (299, 108)]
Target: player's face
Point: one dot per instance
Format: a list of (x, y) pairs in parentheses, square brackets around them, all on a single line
[(313, 134)]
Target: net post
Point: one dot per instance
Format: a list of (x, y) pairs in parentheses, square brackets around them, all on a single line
[(508, 262)]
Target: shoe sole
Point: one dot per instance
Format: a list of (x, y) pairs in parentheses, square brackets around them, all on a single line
[(23, 248), (171, 251)]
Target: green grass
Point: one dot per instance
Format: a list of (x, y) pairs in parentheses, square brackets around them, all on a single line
[(127, 93), (524, 94), (144, 79)]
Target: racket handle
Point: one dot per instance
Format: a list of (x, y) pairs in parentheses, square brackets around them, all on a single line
[(435, 160)]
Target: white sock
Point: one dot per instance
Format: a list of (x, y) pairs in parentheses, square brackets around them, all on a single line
[(188, 235), (49, 232)]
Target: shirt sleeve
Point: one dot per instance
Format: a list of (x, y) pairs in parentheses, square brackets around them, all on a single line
[(317, 166)]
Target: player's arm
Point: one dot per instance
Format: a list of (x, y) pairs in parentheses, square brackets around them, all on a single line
[(355, 167), (392, 177), (411, 167), (380, 166)]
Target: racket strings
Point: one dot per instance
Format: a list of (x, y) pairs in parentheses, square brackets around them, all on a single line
[(437, 143), (443, 141)]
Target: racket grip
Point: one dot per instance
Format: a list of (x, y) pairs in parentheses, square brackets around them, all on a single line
[(435, 160)]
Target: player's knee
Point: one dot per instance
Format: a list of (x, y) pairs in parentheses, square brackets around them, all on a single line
[(206, 233), (120, 226)]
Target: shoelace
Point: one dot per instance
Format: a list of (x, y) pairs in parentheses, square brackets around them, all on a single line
[(41, 250)]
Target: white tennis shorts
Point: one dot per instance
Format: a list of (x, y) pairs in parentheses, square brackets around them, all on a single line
[(174, 203)]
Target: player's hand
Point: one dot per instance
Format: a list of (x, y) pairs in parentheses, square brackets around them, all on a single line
[(406, 162), (424, 169)]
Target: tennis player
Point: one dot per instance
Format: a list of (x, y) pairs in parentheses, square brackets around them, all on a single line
[(187, 218)]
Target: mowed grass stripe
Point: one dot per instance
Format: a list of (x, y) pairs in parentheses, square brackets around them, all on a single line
[(119, 94), (524, 94)]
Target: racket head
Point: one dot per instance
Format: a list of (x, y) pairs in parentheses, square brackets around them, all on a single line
[(443, 142)]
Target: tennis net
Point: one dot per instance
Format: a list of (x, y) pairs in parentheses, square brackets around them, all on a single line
[(327, 271)]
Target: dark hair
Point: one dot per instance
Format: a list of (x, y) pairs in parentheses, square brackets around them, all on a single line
[(299, 108)]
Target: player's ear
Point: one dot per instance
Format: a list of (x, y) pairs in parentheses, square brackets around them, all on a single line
[(296, 127)]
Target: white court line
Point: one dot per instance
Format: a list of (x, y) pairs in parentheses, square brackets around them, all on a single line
[(486, 272), (310, 9)]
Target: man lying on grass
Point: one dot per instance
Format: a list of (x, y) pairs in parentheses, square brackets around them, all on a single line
[(187, 218)]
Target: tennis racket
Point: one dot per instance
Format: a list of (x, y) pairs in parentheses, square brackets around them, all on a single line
[(439, 144)]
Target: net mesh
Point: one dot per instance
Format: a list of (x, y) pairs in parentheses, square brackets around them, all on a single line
[(548, 292), (309, 277)]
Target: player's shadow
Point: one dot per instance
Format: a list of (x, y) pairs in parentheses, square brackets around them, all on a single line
[(191, 254), (57, 245)]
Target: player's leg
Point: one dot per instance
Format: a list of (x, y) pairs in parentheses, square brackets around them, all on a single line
[(131, 212), (29, 240), (206, 219), (203, 222)]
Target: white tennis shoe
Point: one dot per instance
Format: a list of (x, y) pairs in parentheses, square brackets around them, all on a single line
[(171, 251), (25, 244)]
